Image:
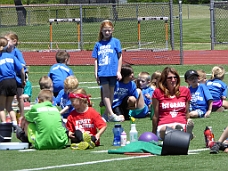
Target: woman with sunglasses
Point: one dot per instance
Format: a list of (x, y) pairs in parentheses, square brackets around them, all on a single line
[(171, 104)]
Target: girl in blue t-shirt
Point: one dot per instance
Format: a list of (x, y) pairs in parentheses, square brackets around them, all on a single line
[(218, 89), (13, 43), (8, 86), (108, 61)]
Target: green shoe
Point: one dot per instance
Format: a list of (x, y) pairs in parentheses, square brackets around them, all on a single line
[(87, 138), (79, 146)]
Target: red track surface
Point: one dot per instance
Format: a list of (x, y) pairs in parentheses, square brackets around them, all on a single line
[(206, 57)]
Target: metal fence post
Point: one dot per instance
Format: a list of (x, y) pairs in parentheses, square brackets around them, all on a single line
[(212, 24), (181, 32), (171, 24), (81, 30)]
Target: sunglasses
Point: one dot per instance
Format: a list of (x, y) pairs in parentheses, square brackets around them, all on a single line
[(170, 78)]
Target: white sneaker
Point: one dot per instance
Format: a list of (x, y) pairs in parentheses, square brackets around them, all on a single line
[(116, 118)]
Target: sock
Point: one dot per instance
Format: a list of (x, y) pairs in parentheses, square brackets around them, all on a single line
[(14, 123)]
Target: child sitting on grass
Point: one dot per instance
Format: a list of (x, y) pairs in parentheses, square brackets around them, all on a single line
[(201, 99), (42, 125), (83, 122)]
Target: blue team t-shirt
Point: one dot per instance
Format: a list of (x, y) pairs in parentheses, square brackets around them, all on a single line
[(17, 53), (106, 53), (58, 73), (147, 90), (123, 90), (200, 97), (63, 100), (217, 88), (8, 65)]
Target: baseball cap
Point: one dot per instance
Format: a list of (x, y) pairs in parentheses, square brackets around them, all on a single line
[(190, 73)]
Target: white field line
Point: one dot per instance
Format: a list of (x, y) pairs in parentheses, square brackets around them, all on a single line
[(85, 163)]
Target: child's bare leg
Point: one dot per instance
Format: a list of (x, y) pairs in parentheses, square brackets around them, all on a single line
[(140, 101), (193, 114), (224, 135), (2, 108), (20, 100), (10, 110), (225, 104), (106, 99)]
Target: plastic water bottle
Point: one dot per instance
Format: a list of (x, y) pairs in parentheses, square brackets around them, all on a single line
[(123, 138), (209, 136), (117, 130), (133, 133)]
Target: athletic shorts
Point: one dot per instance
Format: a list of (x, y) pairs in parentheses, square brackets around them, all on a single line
[(139, 113), (122, 109), (8, 87), (169, 125), (111, 81), (217, 104), (200, 113), (32, 133)]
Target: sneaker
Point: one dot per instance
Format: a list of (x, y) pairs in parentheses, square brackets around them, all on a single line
[(116, 118), (87, 138), (20, 134), (215, 148), (105, 117), (189, 127), (79, 146)]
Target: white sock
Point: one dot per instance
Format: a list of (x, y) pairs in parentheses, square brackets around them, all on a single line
[(14, 123)]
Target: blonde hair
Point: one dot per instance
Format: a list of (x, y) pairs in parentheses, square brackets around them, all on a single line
[(218, 72), (3, 44), (105, 23), (45, 95), (155, 78), (71, 82), (202, 75), (45, 82), (12, 36), (84, 100)]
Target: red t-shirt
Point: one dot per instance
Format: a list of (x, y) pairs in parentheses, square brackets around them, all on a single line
[(89, 121), (172, 109)]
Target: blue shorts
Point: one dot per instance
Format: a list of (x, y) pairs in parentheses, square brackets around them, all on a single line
[(139, 113), (111, 81), (200, 113)]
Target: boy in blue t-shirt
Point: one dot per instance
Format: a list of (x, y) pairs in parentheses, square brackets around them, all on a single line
[(59, 71), (62, 100), (201, 99)]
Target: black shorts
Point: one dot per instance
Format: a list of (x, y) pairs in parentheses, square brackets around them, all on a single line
[(8, 87), (122, 109)]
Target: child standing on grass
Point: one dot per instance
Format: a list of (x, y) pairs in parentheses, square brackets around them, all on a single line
[(42, 125), (59, 71), (201, 99), (218, 89), (8, 86), (13, 43), (108, 61), (62, 100), (84, 122)]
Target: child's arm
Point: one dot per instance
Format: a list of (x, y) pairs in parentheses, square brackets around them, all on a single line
[(119, 76), (64, 110), (100, 132), (71, 134), (207, 114), (95, 72)]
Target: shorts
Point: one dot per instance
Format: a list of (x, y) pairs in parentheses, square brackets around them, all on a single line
[(217, 104), (32, 133), (8, 87), (111, 81), (169, 125), (139, 113), (122, 109)]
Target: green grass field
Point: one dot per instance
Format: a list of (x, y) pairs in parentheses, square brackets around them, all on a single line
[(98, 159)]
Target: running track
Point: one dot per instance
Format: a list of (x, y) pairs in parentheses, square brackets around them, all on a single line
[(146, 57)]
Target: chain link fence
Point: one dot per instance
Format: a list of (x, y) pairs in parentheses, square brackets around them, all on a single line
[(77, 26)]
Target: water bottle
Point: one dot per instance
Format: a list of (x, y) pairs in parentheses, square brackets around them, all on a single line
[(117, 130), (209, 136), (123, 138), (133, 133), (18, 115)]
